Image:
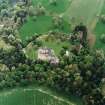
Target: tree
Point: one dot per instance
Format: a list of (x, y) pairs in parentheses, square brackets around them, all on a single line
[(81, 28), (102, 18), (31, 11), (53, 2), (102, 38)]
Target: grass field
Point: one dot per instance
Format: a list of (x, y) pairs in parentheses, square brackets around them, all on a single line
[(33, 96), (99, 30), (84, 11), (56, 46), (44, 24)]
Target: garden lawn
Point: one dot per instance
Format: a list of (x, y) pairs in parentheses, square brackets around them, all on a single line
[(32, 53), (56, 46)]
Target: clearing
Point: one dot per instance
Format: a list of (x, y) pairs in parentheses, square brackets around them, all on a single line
[(53, 43)]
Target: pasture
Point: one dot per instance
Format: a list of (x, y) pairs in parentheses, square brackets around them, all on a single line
[(43, 24), (33, 96), (99, 30), (85, 11)]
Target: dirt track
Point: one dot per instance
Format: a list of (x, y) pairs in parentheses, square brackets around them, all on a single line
[(91, 39)]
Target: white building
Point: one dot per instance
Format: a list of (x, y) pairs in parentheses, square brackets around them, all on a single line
[(67, 53), (47, 54), (1, 26)]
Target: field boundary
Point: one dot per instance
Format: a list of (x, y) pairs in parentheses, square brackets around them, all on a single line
[(53, 96)]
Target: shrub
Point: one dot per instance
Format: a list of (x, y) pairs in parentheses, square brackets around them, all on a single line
[(102, 18), (102, 38)]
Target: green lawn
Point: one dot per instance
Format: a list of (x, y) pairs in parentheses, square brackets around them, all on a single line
[(99, 30), (56, 46), (31, 51), (43, 24), (35, 96)]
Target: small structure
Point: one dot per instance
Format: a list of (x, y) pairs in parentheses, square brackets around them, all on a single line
[(47, 54), (67, 53), (54, 60), (1, 26)]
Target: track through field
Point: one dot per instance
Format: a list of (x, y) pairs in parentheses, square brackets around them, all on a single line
[(85, 11)]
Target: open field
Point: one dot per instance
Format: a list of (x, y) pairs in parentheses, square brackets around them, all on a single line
[(84, 11), (33, 96), (99, 30), (44, 23)]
